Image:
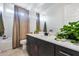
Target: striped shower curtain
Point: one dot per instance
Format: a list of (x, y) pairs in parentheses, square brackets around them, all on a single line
[(1, 25)]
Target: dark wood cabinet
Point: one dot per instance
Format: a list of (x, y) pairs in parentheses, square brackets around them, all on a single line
[(62, 51), (32, 46), (46, 49), (38, 47)]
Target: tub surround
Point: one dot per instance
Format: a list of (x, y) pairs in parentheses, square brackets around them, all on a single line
[(51, 39)]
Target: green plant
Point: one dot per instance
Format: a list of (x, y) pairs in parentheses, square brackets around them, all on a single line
[(37, 29), (1, 25), (70, 31)]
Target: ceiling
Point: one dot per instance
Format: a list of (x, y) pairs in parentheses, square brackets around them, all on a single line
[(42, 8)]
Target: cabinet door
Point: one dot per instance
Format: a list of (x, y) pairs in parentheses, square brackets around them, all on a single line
[(38, 47), (29, 45), (32, 46), (46, 48), (62, 51)]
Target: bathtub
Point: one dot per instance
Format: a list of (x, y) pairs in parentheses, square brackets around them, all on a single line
[(5, 44)]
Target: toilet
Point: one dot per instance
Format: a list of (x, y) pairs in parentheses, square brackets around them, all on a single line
[(23, 43)]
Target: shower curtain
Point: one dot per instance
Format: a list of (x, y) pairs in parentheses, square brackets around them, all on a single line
[(21, 25), (16, 28), (1, 25)]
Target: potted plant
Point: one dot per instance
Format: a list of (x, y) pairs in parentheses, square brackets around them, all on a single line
[(1, 25), (37, 29), (70, 31)]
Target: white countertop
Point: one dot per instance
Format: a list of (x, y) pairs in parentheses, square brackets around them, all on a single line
[(51, 39)]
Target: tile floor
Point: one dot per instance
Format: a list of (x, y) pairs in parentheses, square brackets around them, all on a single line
[(14, 52)]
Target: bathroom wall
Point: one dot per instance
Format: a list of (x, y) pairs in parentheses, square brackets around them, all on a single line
[(62, 14), (55, 17), (71, 12), (8, 17), (32, 18), (43, 18)]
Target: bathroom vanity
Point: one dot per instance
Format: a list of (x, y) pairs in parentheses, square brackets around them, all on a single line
[(40, 45)]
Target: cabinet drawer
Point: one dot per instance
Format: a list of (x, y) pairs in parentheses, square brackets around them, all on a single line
[(62, 51)]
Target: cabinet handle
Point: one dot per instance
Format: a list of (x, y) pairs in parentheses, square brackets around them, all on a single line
[(64, 53)]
